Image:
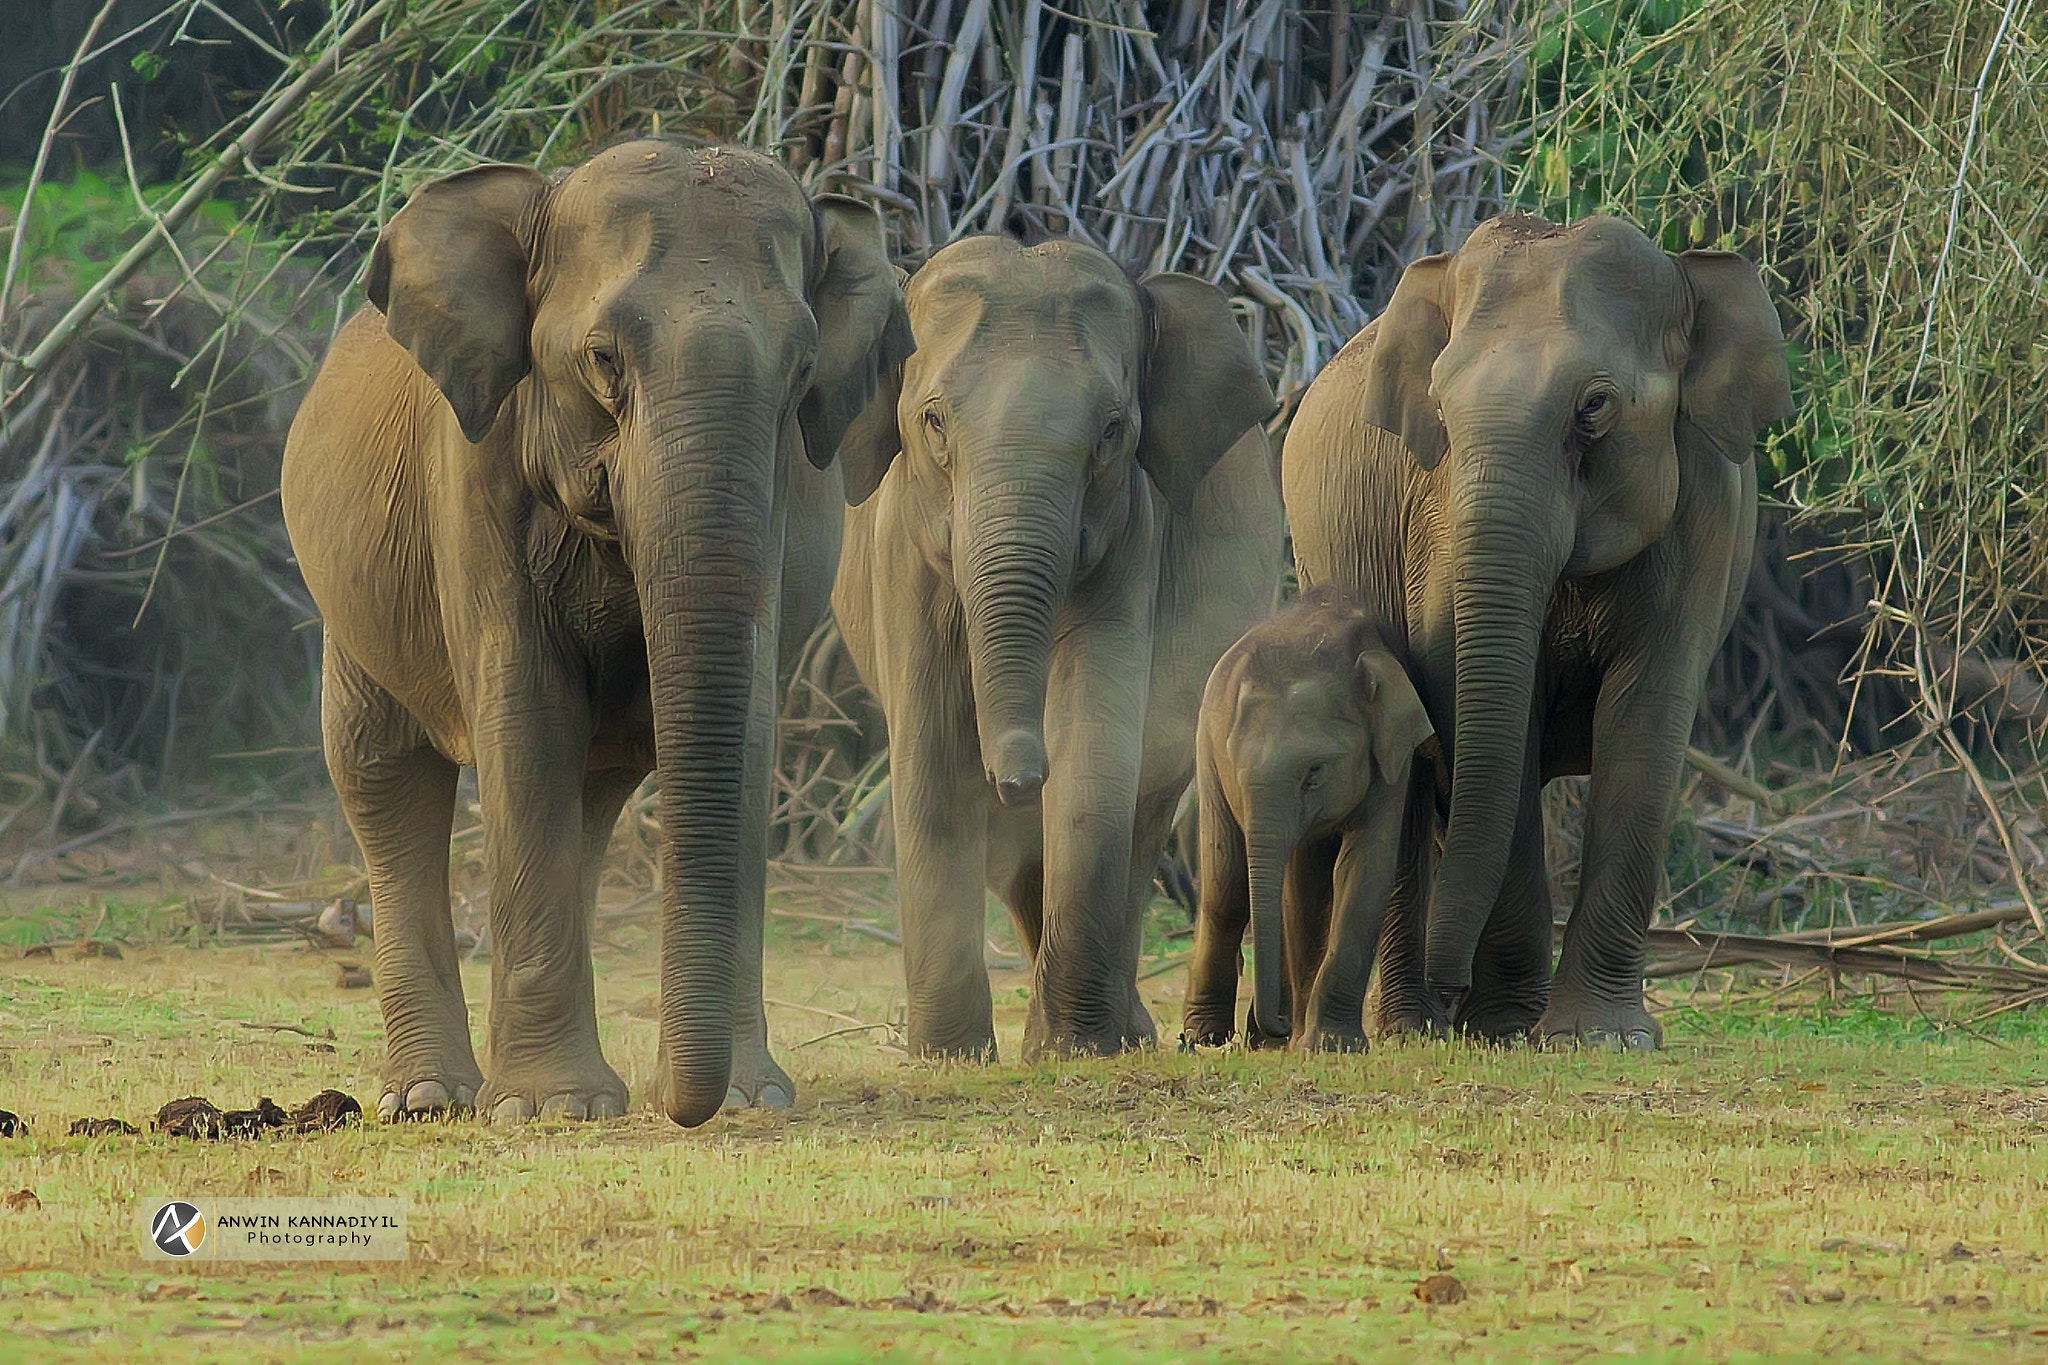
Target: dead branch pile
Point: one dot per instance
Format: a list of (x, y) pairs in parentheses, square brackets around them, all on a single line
[(150, 619)]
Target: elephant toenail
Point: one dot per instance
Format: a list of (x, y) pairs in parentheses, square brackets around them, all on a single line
[(512, 1109), (735, 1098), (465, 1096), (562, 1107), (426, 1097), (606, 1107), (388, 1109), (773, 1096), (1641, 1040)]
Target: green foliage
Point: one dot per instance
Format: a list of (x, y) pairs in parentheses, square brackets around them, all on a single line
[(1881, 163), (80, 225)]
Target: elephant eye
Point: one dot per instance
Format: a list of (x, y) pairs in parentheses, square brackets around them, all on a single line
[(1313, 778), (1594, 411), (931, 420), (1113, 432), (609, 370)]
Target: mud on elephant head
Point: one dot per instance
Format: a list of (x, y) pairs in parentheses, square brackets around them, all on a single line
[(650, 337), (1046, 391)]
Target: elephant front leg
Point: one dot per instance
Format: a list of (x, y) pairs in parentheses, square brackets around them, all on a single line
[(399, 796), (941, 814), (1362, 883), (1396, 999), (1511, 969), (1084, 995), (543, 1058), (1221, 914), (1639, 736)]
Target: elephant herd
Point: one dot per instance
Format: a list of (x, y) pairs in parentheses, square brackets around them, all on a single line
[(604, 446)]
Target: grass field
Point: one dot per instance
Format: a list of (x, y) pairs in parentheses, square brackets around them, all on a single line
[(1798, 1181)]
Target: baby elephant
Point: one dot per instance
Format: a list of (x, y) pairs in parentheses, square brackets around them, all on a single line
[(1308, 730)]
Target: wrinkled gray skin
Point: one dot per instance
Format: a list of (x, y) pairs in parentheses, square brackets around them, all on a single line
[(1308, 734), (540, 492), (1076, 513), (1536, 466)]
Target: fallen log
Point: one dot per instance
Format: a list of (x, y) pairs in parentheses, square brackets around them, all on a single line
[(1685, 952)]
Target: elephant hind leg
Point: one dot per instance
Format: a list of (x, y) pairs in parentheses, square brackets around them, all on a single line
[(399, 796)]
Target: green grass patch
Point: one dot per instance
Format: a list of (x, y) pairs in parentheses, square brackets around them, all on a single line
[(1820, 1182)]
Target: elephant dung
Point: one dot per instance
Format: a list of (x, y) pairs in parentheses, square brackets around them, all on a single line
[(326, 1110), (1441, 1289), (103, 1128)]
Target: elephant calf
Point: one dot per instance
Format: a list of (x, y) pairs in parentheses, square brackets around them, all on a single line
[(1308, 731), (1074, 513)]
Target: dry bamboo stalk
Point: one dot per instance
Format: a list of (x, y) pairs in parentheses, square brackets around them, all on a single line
[(882, 64), (1020, 115), (938, 163), (1065, 161), (838, 137), (1422, 197)]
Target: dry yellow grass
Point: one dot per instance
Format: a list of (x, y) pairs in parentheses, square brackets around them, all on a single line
[(1759, 1190)]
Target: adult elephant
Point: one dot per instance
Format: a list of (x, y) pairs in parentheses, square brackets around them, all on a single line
[(1083, 517), (1537, 465), (540, 494)]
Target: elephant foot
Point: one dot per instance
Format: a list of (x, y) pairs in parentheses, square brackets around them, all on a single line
[(424, 1099), (1256, 1038), (1139, 1025), (516, 1094), (1325, 1038), (967, 1046), (1496, 1021), (1583, 1021), (1056, 1043), (428, 1091), (758, 1082), (1205, 1030)]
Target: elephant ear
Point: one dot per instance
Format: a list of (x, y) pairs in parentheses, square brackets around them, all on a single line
[(1202, 387), (863, 335), (1413, 332), (1736, 382), (449, 275), (1395, 713)]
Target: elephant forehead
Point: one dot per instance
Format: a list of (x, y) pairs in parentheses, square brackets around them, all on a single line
[(1268, 698), (1056, 288), (663, 204), (1601, 276)]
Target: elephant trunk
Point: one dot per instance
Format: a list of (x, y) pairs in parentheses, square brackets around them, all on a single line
[(694, 527), (1267, 851), (1509, 540), (1014, 567)]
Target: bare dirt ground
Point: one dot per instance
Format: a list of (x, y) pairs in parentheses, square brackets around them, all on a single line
[(1793, 1178)]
